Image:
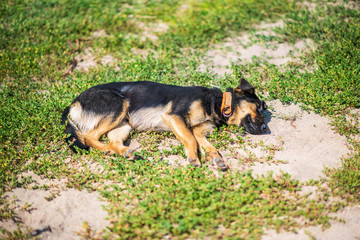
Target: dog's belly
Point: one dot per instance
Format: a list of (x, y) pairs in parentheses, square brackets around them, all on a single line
[(149, 119)]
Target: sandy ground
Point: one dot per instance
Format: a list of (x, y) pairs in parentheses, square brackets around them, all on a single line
[(338, 231), (59, 218), (248, 46), (57, 213), (308, 145)]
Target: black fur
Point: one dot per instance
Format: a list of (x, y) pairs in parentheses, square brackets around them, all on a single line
[(107, 98)]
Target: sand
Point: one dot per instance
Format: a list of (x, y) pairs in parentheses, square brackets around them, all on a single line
[(347, 230), (309, 145), (246, 47), (58, 218)]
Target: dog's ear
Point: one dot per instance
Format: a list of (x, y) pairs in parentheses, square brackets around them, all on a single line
[(244, 86)]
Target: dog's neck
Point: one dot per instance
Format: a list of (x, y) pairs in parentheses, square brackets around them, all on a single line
[(220, 105)]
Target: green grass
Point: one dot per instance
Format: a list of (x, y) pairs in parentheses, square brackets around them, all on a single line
[(38, 40)]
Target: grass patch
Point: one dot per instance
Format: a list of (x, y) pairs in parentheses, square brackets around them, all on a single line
[(193, 202)]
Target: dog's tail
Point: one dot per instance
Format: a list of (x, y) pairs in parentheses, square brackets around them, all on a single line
[(72, 131)]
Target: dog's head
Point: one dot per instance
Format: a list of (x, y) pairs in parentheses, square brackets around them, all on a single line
[(247, 109)]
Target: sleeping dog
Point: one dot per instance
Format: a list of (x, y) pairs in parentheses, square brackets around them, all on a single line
[(190, 113)]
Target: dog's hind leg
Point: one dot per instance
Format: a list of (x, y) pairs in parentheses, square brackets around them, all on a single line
[(117, 138), (200, 132), (105, 125), (184, 134), (91, 138)]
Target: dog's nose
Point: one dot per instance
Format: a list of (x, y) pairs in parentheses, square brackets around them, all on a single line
[(263, 127)]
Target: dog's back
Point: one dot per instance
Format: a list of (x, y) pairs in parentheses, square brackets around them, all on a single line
[(147, 102)]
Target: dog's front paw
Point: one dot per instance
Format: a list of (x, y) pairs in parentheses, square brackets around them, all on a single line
[(219, 163), (194, 162)]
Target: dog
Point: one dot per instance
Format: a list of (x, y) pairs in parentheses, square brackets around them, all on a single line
[(191, 113)]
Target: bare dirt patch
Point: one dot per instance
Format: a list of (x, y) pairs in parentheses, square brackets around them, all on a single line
[(53, 184), (148, 31), (88, 58), (85, 60), (248, 46), (58, 218), (346, 227), (309, 143)]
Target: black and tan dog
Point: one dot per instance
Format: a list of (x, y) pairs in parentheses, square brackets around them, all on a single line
[(190, 112)]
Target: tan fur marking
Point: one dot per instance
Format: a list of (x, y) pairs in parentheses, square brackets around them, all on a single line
[(119, 134), (200, 133), (117, 137), (197, 114), (92, 137), (81, 137), (104, 126), (241, 112), (183, 133)]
